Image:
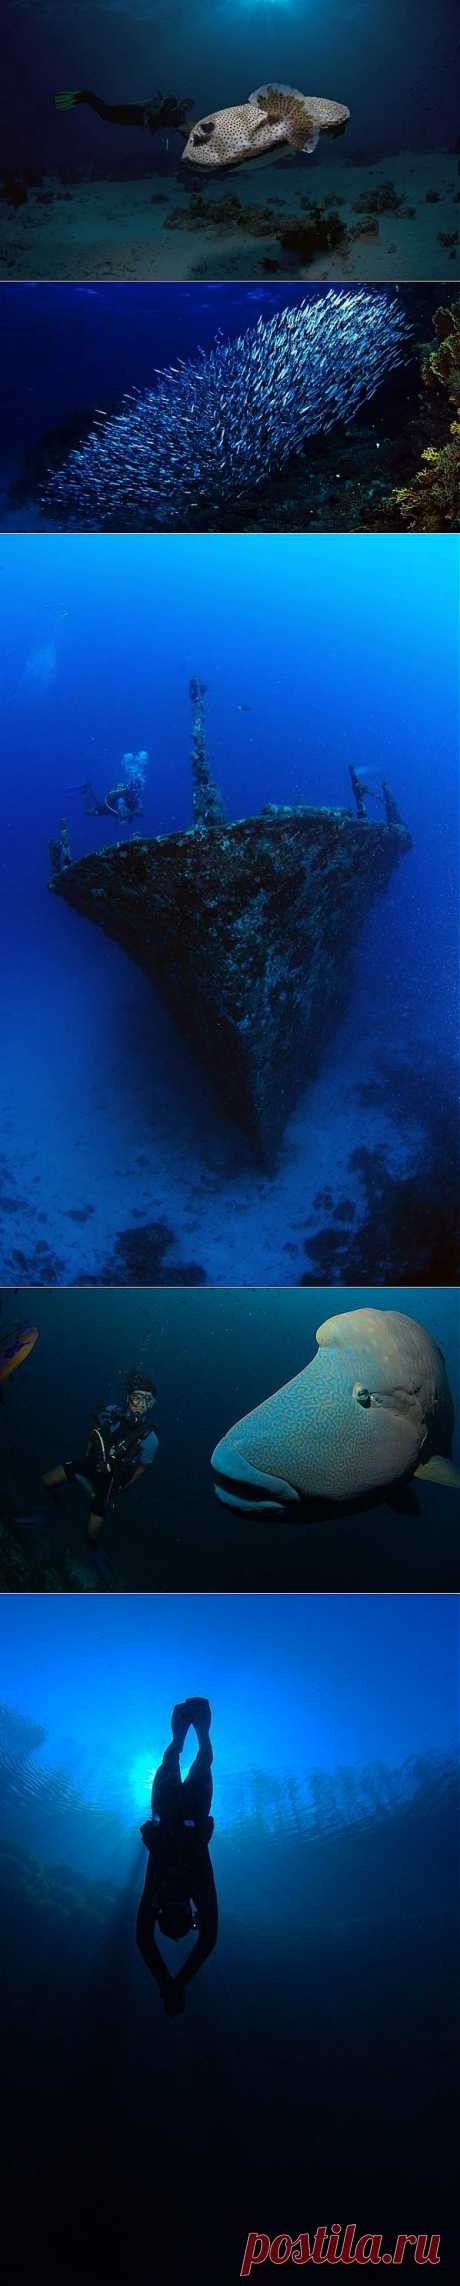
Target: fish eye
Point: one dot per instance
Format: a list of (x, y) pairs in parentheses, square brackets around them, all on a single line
[(204, 131), (363, 1396)]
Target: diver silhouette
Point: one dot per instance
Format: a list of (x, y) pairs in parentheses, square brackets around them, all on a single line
[(179, 1890), (161, 112)]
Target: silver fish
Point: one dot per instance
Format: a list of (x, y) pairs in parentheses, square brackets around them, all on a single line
[(271, 118)]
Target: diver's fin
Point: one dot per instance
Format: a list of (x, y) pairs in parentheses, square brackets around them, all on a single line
[(100, 1564), (438, 1470)]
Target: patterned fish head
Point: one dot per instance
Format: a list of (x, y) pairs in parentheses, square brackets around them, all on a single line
[(359, 1417), (228, 138)]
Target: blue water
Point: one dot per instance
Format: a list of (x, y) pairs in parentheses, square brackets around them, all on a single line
[(315, 2056), (394, 70), (337, 650), (213, 1357)]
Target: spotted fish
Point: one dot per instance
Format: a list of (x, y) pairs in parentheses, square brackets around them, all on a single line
[(373, 1407), (271, 118)]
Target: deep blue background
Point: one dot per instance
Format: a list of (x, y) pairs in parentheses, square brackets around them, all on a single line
[(295, 1684)]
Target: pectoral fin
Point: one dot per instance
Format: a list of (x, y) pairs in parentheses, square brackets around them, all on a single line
[(301, 136), (438, 1470)]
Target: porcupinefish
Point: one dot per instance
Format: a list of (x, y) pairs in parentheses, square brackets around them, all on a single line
[(374, 1407), (271, 118)]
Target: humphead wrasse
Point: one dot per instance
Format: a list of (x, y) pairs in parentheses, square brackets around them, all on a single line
[(15, 1345), (273, 118), (373, 1407)]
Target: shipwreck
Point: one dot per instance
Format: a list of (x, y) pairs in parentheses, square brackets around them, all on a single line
[(247, 930)]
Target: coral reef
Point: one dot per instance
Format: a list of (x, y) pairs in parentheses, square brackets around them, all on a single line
[(320, 235), (431, 502), (29, 1564), (248, 931), (383, 200), (213, 430)]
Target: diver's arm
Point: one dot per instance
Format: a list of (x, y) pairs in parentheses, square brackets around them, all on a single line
[(207, 1932), (151, 1955), (145, 1930), (150, 1445)]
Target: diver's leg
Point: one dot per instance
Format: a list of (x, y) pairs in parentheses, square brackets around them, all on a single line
[(118, 114), (145, 1930), (102, 1483), (197, 1786), (95, 1527), (167, 1785)]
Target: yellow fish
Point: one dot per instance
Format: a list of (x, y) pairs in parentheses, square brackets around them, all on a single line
[(271, 118), (15, 1346)]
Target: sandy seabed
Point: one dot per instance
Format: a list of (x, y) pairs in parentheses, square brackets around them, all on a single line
[(122, 230)]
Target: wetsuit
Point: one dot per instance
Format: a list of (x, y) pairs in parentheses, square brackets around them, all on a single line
[(179, 1868), (116, 1449), (120, 802), (157, 114)]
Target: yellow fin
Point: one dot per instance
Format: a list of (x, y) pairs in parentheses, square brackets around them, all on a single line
[(438, 1470)]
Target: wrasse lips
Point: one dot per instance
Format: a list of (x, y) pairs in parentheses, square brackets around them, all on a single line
[(240, 1484)]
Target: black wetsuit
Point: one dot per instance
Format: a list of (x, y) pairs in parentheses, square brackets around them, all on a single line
[(179, 1868), (155, 115), (114, 1451), (120, 802)]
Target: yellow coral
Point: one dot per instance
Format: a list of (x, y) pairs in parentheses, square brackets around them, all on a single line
[(431, 503)]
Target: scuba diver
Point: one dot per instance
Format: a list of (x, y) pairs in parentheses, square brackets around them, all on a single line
[(361, 789), (124, 800), (160, 113), (121, 801), (179, 1890), (121, 1445)]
